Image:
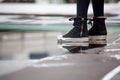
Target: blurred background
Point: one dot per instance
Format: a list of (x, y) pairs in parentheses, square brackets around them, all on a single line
[(29, 28), (49, 1)]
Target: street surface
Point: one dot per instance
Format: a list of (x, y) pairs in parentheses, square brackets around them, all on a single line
[(19, 61)]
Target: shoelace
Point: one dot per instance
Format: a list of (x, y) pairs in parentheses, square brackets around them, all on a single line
[(90, 20), (82, 19)]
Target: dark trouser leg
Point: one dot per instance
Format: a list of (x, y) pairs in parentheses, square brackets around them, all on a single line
[(99, 27), (80, 23), (82, 7), (98, 7)]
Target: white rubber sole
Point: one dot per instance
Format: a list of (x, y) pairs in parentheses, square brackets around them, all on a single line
[(73, 44), (102, 39), (61, 40)]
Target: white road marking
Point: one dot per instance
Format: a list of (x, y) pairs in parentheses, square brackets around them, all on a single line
[(108, 50), (111, 74), (116, 70), (45, 65), (54, 58), (115, 41)]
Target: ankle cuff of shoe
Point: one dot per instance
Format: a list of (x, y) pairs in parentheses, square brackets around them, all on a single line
[(96, 18)]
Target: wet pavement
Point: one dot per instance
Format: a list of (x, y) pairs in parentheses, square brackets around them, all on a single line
[(27, 55), (79, 66)]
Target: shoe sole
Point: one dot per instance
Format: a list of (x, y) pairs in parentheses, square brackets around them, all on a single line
[(73, 44), (72, 41), (102, 39)]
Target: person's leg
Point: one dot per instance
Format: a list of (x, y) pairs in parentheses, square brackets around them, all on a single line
[(98, 31), (82, 8), (80, 21), (98, 8), (78, 35)]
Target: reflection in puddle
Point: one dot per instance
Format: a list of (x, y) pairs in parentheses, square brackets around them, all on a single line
[(79, 45), (28, 45), (38, 55), (36, 45), (75, 49), (83, 49)]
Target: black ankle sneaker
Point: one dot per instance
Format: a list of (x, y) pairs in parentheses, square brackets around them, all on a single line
[(79, 33), (98, 32)]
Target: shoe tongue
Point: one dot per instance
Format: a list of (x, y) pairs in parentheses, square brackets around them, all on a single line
[(80, 19), (77, 24), (77, 20)]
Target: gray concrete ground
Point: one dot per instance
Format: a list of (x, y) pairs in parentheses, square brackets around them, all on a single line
[(94, 65), (67, 67)]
